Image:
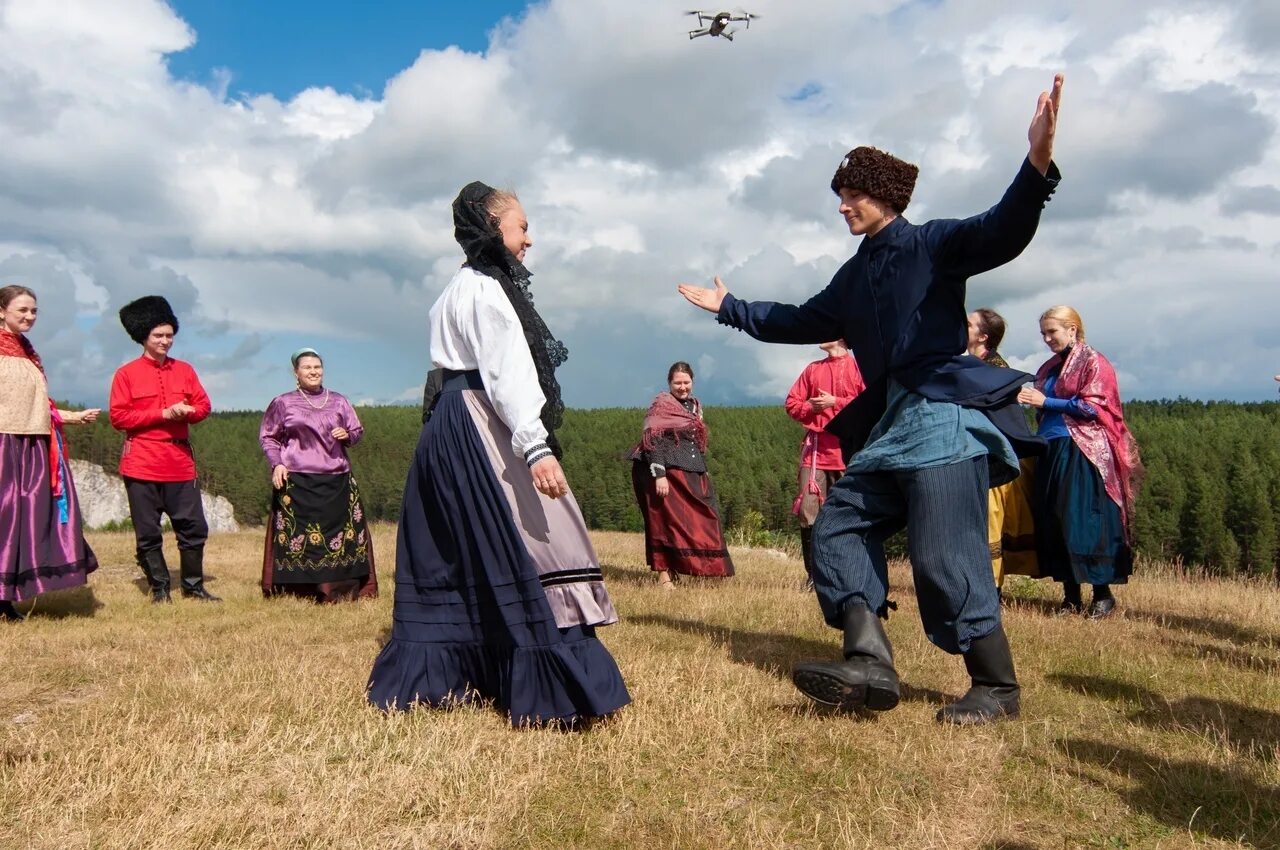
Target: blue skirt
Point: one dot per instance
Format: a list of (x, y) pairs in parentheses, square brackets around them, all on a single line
[(471, 618), (1079, 530)]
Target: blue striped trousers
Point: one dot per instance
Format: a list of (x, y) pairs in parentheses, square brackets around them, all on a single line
[(944, 510)]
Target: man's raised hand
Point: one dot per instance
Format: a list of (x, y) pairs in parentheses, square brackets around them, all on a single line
[(1044, 125), (708, 299)]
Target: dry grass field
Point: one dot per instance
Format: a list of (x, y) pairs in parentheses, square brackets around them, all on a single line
[(244, 725)]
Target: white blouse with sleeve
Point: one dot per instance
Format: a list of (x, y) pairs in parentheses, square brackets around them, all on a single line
[(474, 326)]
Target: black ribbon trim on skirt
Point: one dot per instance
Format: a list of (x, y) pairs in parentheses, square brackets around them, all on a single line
[(692, 553), (571, 576)]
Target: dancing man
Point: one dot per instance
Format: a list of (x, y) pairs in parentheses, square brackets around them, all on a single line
[(926, 453), (818, 395), (153, 401)]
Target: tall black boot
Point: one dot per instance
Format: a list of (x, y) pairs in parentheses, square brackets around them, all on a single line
[(994, 692), (157, 573), (192, 566), (806, 550), (865, 679)]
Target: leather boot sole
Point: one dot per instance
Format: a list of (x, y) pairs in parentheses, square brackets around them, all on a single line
[(828, 689)]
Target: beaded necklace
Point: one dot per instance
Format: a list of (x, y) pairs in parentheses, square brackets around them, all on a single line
[(321, 406)]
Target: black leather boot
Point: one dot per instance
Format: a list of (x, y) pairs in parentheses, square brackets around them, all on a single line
[(806, 550), (192, 567), (994, 692), (865, 679), (8, 612), (157, 573)]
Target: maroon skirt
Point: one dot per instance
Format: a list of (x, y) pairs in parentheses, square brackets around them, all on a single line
[(682, 531)]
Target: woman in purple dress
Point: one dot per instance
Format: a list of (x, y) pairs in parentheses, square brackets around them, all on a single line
[(42, 545), (318, 543)]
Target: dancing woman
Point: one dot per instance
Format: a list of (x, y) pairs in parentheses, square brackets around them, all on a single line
[(682, 529), (1088, 480), (498, 588)]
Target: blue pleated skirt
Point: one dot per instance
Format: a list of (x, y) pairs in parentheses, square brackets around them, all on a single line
[(472, 620), (1079, 530)]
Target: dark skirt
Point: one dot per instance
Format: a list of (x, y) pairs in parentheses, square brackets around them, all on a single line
[(43, 546), (1080, 534), (472, 620), (318, 543), (682, 530)]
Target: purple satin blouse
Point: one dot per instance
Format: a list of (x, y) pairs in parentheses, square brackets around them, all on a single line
[(296, 434)]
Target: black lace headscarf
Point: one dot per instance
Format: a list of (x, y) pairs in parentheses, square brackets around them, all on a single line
[(477, 232)]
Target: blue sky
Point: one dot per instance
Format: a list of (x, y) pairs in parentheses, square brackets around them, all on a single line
[(285, 46)]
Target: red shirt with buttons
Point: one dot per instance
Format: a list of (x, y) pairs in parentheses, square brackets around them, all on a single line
[(155, 448), (839, 376)]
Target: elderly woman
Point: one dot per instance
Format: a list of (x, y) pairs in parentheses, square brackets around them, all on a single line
[(43, 547), (682, 531), (1088, 480), (1010, 527), (498, 589), (318, 544)]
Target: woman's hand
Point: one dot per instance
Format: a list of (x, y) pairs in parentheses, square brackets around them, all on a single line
[(1031, 396), (340, 434), (84, 417), (279, 476), (549, 479), (1044, 125), (708, 299), (662, 486)]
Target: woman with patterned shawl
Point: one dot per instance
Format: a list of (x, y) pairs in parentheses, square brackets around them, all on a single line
[(43, 547), (1011, 531), (1087, 482), (498, 588), (318, 544), (682, 531)]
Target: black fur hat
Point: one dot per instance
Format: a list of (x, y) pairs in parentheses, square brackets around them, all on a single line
[(881, 175), (143, 316)]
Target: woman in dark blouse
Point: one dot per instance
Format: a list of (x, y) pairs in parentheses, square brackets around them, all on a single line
[(682, 531)]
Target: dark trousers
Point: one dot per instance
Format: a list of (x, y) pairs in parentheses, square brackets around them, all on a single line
[(148, 500), (945, 512)]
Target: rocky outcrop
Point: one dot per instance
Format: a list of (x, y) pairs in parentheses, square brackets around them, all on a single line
[(103, 501)]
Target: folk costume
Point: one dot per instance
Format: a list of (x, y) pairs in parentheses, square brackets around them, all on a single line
[(1010, 525), (318, 544), (498, 588), (157, 462), (1088, 480), (682, 530), (932, 431), (43, 547), (822, 461)]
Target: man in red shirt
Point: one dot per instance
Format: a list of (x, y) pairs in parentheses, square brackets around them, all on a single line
[(822, 390), (153, 401)]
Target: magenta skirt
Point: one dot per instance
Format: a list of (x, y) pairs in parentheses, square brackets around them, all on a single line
[(42, 545)]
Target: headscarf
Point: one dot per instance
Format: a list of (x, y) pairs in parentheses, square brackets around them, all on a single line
[(486, 253), (1106, 441), (303, 352)]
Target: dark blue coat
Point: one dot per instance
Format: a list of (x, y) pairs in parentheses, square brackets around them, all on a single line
[(899, 303)]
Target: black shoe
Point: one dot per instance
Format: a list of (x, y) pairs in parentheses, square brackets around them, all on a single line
[(157, 573), (994, 693), (865, 679), (8, 612), (192, 568), (1067, 608), (1102, 608), (806, 554)]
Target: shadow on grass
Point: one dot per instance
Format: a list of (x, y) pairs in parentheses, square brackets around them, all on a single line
[(1204, 625), (770, 652), (175, 583), (1006, 844), (1185, 795), (1254, 729), (1232, 657), (60, 604)]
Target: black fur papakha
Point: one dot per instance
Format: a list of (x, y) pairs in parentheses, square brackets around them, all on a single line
[(879, 174), (143, 316)]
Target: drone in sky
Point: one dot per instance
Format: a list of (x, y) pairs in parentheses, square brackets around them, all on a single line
[(717, 23)]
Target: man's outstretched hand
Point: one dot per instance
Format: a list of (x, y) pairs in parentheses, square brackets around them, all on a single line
[(708, 299), (1044, 125)]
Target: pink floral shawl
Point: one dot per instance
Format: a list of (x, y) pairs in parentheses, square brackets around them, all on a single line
[(667, 416), (1105, 441)]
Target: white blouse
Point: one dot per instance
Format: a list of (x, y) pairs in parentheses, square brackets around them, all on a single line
[(474, 326)]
